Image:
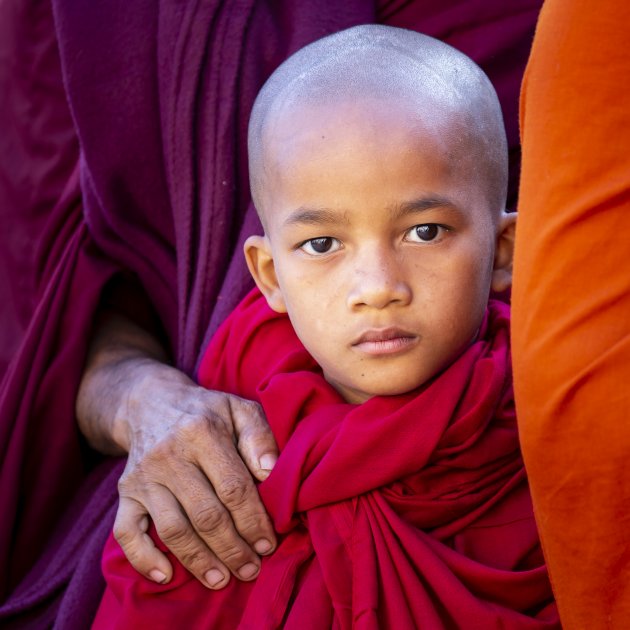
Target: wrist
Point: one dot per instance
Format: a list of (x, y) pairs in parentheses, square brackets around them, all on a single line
[(120, 352), (134, 380)]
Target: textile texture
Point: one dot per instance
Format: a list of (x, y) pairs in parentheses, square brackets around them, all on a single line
[(140, 177), (403, 512)]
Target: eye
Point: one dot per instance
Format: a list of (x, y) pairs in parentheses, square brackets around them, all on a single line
[(424, 233), (320, 245)]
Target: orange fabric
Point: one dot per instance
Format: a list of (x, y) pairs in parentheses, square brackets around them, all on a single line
[(571, 304)]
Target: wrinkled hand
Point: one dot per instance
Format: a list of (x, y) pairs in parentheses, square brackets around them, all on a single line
[(192, 454)]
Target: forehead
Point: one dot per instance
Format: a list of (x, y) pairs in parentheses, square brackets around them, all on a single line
[(365, 118), (366, 141)]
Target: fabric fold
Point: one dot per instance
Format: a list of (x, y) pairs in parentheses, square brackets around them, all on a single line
[(406, 511), (137, 201)]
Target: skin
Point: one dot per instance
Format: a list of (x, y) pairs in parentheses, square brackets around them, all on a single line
[(413, 238), (380, 244), (192, 454)]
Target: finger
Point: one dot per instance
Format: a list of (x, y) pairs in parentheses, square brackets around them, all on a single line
[(235, 489), (130, 530), (255, 440), (216, 527), (177, 533)]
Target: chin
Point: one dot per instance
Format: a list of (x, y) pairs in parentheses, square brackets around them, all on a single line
[(398, 390), (358, 393)]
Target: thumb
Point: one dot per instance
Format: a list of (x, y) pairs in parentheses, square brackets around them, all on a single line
[(130, 530), (254, 439)]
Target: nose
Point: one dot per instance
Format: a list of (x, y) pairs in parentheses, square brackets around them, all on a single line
[(378, 280)]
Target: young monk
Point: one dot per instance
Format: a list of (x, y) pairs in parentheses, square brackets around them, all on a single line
[(378, 166)]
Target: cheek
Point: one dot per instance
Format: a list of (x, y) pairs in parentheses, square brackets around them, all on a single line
[(308, 283), (476, 260), (458, 293), (312, 302), (475, 290)]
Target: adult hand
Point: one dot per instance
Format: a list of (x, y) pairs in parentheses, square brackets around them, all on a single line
[(192, 454)]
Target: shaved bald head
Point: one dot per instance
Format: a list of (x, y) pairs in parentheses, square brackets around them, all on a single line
[(446, 92)]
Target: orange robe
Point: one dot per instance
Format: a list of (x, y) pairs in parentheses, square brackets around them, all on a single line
[(571, 304)]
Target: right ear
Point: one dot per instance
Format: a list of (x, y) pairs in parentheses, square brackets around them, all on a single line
[(260, 264)]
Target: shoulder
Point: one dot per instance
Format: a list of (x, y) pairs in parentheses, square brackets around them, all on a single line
[(253, 344)]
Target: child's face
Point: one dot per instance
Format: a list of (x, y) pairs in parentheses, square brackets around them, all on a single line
[(379, 243)]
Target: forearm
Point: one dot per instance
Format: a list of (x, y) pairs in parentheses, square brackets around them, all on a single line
[(118, 348), (187, 447)]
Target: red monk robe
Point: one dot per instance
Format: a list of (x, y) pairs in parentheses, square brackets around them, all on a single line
[(406, 511)]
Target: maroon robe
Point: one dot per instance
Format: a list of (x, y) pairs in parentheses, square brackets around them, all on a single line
[(159, 93)]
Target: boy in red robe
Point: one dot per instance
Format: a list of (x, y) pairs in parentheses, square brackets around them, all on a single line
[(378, 165)]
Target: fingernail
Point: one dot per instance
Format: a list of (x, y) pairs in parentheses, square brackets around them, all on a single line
[(214, 577), (262, 546), (267, 461), (157, 576), (247, 571)]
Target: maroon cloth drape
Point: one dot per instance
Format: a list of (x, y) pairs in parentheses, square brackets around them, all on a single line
[(38, 154), (159, 95), (403, 512)]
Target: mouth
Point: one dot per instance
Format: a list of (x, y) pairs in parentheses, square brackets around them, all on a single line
[(381, 341)]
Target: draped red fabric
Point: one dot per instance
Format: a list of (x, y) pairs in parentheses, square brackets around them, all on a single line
[(403, 512), (156, 94)]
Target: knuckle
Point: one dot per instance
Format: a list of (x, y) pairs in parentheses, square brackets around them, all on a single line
[(137, 480), (253, 429), (258, 416), (249, 406), (128, 483), (172, 530), (123, 535), (194, 558), (254, 525), (190, 427), (200, 428), (217, 427), (234, 492), (135, 558), (234, 557), (209, 520)]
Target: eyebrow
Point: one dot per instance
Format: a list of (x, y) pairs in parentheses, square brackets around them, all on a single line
[(326, 216), (315, 216), (421, 205)]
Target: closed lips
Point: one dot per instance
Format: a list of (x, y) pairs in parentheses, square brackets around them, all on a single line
[(382, 334), (385, 341)]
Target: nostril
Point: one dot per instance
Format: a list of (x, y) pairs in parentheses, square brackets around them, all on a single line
[(379, 279), (381, 296)]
